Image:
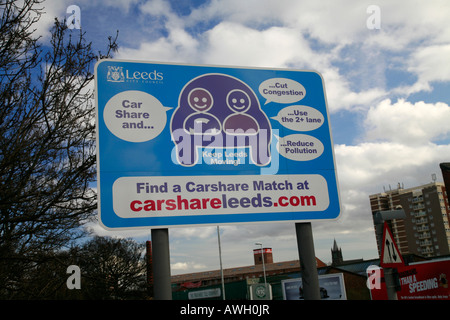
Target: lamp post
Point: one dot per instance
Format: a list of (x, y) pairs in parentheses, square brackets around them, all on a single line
[(220, 259), (264, 266)]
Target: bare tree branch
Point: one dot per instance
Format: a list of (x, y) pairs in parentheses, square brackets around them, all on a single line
[(47, 129)]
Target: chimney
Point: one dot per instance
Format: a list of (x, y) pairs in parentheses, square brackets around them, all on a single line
[(266, 252)]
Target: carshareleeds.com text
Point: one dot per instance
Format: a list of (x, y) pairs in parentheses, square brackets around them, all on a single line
[(221, 202), (180, 195)]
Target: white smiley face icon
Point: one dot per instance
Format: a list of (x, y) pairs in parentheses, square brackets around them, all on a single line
[(200, 99), (238, 100)]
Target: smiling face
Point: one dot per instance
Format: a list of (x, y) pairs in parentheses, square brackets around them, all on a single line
[(238, 100), (200, 100)]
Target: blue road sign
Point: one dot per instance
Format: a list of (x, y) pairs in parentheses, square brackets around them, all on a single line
[(184, 145)]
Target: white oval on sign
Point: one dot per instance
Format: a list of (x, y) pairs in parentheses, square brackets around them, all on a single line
[(135, 116), (300, 147), (282, 90), (300, 118)]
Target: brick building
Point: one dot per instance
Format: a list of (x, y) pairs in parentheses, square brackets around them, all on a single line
[(206, 278), (425, 230), (238, 279)]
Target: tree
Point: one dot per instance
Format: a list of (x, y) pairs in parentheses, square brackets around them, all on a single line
[(112, 269), (47, 139)]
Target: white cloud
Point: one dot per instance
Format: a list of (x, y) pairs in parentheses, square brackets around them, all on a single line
[(50, 11), (236, 44), (193, 233), (368, 164), (338, 22), (94, 227), (407, 123), (185, 267), (341, 96), (330, 22), (178, 47), (431, 63), (271, 35), (163, 13)]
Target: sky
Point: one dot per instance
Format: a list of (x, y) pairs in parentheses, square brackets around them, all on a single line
[(386, 69)]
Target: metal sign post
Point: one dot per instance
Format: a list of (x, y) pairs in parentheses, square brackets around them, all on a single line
[(307, 256), (220, 262), (390, 259), (390, 256), (161, 264)]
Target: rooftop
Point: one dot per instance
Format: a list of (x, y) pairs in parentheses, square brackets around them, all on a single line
[(245, 271)]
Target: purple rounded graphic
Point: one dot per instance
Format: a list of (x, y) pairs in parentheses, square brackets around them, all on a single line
[(219, 111)]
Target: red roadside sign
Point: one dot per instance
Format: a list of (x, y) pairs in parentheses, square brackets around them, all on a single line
[(427, 280), (390, 254)]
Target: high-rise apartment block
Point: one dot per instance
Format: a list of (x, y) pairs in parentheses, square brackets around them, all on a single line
[(425, 230)]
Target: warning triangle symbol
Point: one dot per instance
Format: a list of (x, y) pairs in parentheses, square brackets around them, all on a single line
[(390, 255)]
